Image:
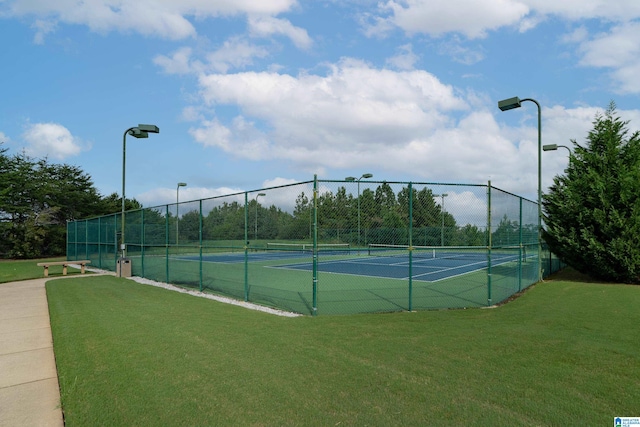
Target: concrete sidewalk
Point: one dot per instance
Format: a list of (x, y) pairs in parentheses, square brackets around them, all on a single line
[(29, 392)]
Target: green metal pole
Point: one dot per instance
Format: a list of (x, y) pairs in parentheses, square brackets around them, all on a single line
[(200, 243), (410, 247), (315, 245), (539, 185), (511, 103), (142, 242), (166, 241), (99, 242), (520, 250), (246, 246), (86, 239), (115, 242), (489, 243), (359, 244), (124, 162)]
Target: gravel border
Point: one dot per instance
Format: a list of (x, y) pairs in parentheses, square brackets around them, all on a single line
[(199, 294)]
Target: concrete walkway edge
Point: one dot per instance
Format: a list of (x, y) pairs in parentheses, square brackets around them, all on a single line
[(29, 391)]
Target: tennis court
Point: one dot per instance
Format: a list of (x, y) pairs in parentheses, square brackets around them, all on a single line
[(428, 264), (314, 247)]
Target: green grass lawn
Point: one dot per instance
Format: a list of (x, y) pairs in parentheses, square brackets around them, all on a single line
[(12, 270), (565, 353)]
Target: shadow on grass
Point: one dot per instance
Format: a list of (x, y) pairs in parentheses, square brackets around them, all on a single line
[(569, 274)]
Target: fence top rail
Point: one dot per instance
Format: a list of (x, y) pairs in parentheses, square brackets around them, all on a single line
[(239, 193)]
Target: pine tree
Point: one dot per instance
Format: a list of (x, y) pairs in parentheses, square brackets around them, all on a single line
[(593, 210)]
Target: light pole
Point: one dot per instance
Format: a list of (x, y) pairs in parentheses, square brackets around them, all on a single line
[(259, 194), (140, 131), (353, 178), (509, 104), (180, 184), (443, 195)]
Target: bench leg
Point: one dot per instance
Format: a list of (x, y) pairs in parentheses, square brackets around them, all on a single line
[(64, 270), (81, 268), (46, 271)]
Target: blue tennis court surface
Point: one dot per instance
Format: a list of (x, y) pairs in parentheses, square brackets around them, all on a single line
[(394, 267), (426, 269)]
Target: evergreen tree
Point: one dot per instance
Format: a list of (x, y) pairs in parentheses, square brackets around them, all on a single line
[(593, 210)]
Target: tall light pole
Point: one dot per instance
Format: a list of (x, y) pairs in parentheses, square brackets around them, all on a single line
[(353, 178), (180, 184), (140, 131), (259, 194), (443, 195), (509, 104)]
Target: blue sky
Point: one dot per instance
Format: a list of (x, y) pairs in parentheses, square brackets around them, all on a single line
[(249, 94)]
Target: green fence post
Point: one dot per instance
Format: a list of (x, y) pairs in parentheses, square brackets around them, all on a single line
[(200, 243), (410, 247), (246, 246), (489, 243), (99, 242), (75, 241), (315, 245), (166, 241), (520, 251), (115, 242), (142, 242)]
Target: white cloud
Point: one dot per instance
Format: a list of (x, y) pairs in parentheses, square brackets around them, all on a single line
[(405, 59), (473, 18), (402, 122), (265, 26), (278, 181), (159, 18), (618, 10), (42, 27), (235, 53), (51, 140), (4, 138), (212, 134), (460, 53), (178, 63), (618, 50), (397, 121), (162, 196), (306, 119)]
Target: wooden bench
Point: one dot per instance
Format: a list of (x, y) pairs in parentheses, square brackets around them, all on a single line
[(64, 265)]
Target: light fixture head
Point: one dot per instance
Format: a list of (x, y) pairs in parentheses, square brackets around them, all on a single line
[(137, 133), (149, 128), (550, 147), (350, 178), (367, 175), (509, 104), (182, 184)]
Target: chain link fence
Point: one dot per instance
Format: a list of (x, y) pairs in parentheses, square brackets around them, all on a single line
[(333, 247)]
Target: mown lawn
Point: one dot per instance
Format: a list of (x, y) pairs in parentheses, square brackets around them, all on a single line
[(565, 353), (13, 270)]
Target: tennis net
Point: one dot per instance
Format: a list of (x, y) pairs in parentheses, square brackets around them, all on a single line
[(444, 252), (340, 248)]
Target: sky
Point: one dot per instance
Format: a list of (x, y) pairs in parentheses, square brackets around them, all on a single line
[(258, 93)]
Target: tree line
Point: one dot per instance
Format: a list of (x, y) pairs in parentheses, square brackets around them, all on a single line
[(38, 197), (378, 216)]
